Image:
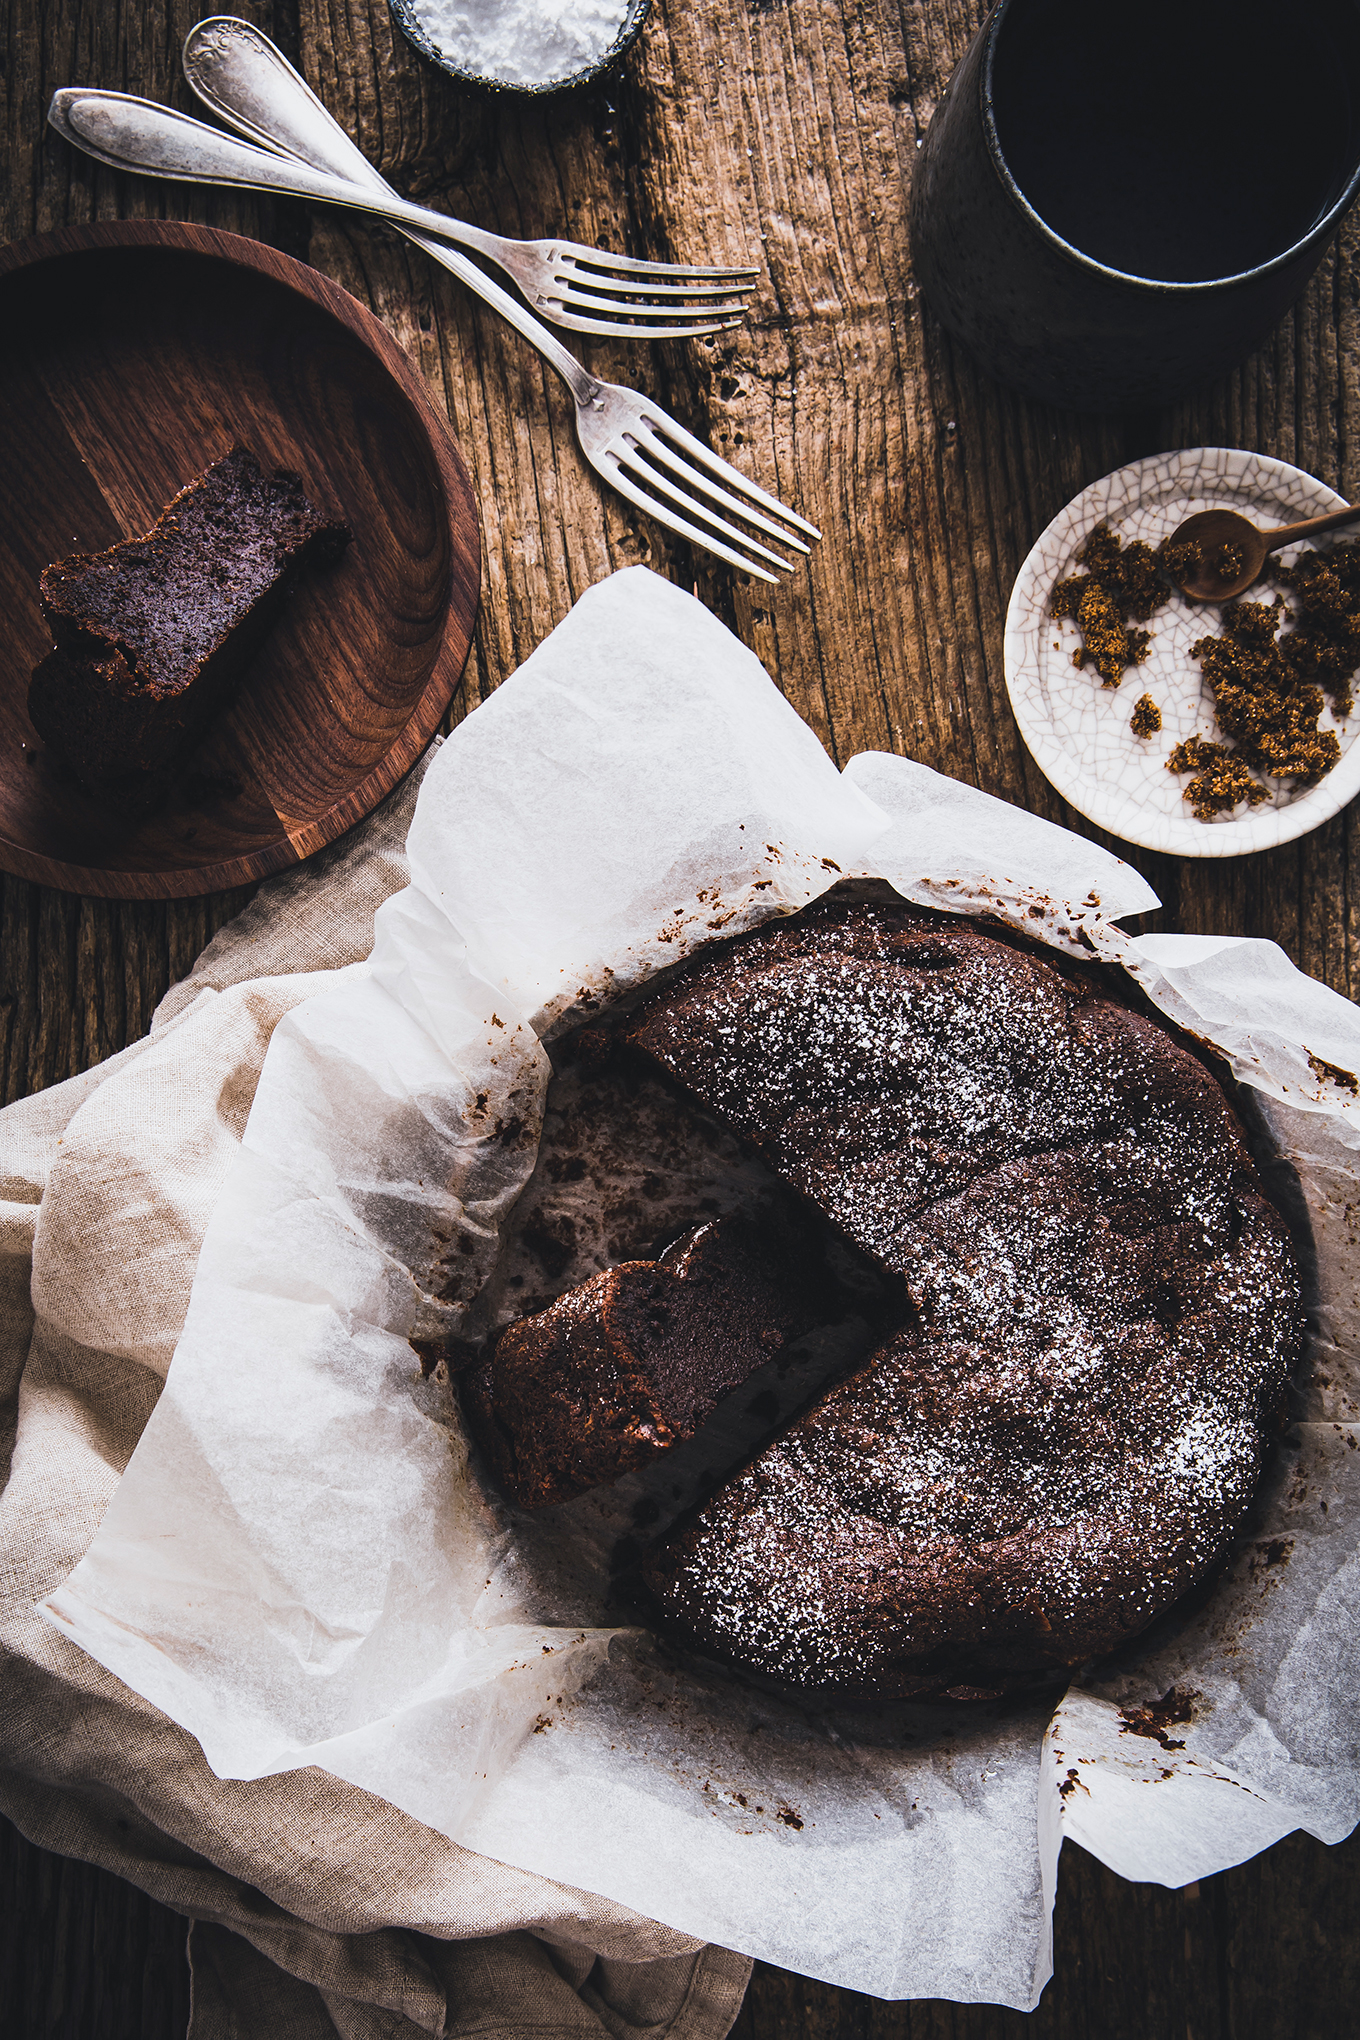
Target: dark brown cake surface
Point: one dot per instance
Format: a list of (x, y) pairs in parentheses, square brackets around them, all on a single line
[(631, 1362), (1100, 1310), (150, 634), (881, 1057)]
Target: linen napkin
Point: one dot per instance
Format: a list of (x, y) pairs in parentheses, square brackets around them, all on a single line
[(317, 1908)]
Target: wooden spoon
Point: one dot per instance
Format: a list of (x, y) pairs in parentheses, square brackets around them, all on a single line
[(1218, 580)]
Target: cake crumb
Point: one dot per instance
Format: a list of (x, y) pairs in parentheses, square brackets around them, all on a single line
[(1329, 1073), (1122, 585), (1181, 558), (1323, 649), (1146, 719), (1222, 778), (1269, 685), (1264, 692)]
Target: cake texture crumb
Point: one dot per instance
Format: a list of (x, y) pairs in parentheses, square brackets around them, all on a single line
[(1121, 585), (631, 1362), (151, 635), (1271, 669), (1146, 719), (1222, 779), (1264, 699)]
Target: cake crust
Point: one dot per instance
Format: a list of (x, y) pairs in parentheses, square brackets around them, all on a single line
[(1099, 1312)]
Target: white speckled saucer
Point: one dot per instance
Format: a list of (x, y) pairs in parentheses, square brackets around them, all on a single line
[(1078, 731)]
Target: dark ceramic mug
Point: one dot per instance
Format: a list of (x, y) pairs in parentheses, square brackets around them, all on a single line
[(1115, 201)]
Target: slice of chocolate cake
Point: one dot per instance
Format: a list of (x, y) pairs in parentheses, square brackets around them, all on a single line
[(1099, 1310), (150, 635), (633, 1361)]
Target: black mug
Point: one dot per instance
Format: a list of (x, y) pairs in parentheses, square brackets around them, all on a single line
[(1115, 201)]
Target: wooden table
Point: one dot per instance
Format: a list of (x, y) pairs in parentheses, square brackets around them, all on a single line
[(786, 128)]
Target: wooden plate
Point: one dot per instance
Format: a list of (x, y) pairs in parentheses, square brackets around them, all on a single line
[(133, 354)]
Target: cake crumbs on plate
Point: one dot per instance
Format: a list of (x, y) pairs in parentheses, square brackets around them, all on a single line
[(1123, 584), (1270, 684), (1263, 695), (1222, 778), (1323, 649), (1146, 719), (1184, 558)]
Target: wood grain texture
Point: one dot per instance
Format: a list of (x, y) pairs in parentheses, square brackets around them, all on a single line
[(1263, 1952), (83, 1955), (787, 128), (134, 355)]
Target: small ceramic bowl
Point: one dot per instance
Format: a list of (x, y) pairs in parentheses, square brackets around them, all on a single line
[(1078, 731), (418, 21)]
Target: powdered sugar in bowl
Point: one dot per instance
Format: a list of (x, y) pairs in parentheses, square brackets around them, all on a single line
[(522, 45)]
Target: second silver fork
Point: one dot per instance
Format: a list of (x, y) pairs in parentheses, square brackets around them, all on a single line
[(630, 441), (226, 59)]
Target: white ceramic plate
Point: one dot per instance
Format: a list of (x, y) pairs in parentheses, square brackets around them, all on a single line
[(1078, 731)]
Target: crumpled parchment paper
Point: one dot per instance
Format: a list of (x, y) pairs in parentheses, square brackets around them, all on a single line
[(301, 1566)]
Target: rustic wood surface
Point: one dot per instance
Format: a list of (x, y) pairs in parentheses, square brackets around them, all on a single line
[(743, 125)]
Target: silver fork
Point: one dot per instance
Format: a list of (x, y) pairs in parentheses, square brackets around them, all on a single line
[(629, 441), (575, 286)]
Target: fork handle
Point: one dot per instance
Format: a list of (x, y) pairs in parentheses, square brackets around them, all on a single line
[(587, 391), (239, 73), (138, 134)]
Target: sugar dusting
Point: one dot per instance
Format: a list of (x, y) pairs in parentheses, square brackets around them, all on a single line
[(1103, 1310)]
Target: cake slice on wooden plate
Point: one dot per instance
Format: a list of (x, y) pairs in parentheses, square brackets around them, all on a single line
[(151, 635)]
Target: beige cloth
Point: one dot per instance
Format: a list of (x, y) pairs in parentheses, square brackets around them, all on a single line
[(318, 1909)]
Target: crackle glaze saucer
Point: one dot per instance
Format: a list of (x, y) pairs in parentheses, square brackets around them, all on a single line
[(1078, 731)]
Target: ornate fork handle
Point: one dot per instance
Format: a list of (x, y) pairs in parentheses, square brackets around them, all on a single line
[(129, 133), (631, 442)]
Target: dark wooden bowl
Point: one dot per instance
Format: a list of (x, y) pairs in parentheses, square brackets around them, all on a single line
[(132, 355)]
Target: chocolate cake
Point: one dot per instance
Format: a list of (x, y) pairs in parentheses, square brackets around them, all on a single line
[(631, 1362), (150, 635), (1099, 1309)]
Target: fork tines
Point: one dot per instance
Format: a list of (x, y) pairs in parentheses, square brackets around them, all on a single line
[(631, 321), (637, 296), (652, 468), (632, 265)]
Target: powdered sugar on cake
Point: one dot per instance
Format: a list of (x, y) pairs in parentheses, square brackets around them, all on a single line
[(1101, 1309)]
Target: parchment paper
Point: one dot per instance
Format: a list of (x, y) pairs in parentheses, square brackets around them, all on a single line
[(300, 1565)]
